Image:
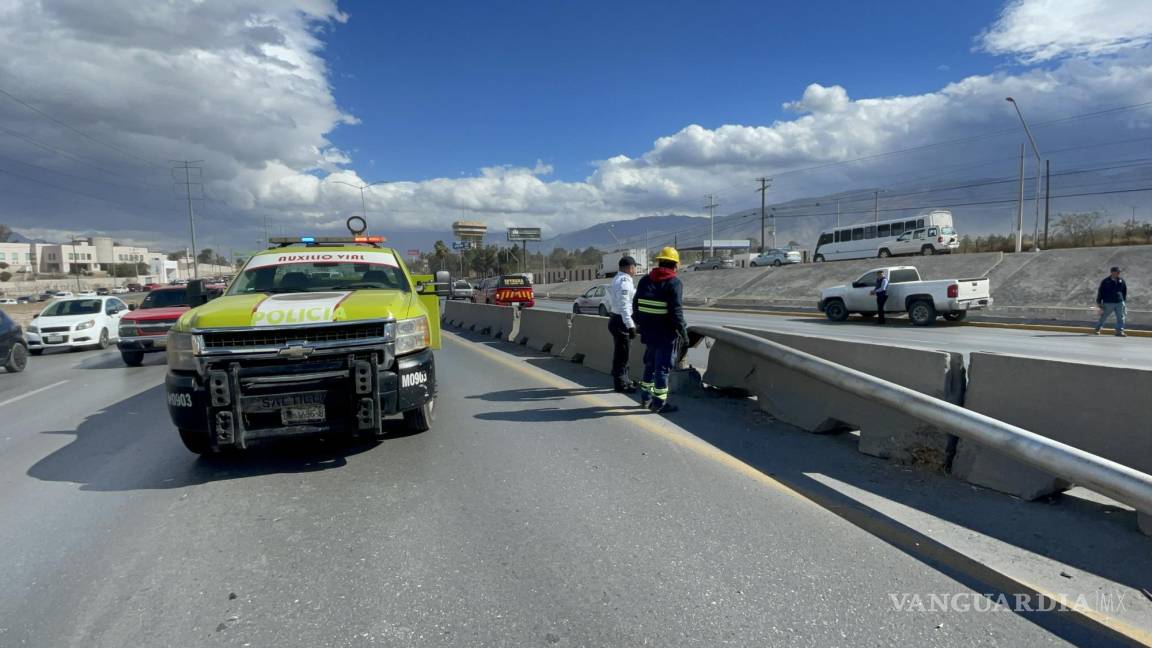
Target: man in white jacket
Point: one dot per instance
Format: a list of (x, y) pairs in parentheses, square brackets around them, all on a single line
[(620, 323)]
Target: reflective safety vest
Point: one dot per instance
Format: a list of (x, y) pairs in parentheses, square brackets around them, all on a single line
[(656, 311), (652, 306)]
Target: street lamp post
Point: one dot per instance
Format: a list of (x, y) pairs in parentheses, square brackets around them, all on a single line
[(1039, 164), (361, 187)]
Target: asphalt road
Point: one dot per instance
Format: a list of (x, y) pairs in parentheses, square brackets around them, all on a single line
[(536, 512), (1076, 347)]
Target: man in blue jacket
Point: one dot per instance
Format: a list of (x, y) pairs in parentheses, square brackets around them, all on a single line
[(1110, 298), (658, 309)]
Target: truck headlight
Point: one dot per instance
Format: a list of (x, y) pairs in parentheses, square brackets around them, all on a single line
[(182, 349), (32, 329), (412, 335), (86, 325)]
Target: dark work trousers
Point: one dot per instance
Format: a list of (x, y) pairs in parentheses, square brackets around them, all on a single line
[(881, 299), (620, 348)]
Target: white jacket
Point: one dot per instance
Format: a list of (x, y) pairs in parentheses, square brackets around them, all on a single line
[(620, 293)]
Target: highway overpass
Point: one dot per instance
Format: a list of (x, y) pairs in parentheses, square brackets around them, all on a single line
[(542, 509)]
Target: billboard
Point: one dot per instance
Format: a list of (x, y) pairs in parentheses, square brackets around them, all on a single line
[(463, 245), (523, 233)]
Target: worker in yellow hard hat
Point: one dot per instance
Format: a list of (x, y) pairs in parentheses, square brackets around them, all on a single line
[(658, 309)]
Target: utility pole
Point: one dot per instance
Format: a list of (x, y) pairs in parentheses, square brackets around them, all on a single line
[(188, 166), (711, 207), (837, 212), (764, 184), (1036, 152), (1020, 206), (875, 206), (1047, 197)]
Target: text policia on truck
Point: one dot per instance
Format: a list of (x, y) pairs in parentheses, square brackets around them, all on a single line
[(930, 233), (315, 335)]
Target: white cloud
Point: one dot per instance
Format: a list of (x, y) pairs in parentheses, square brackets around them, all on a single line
[(1041, 30)]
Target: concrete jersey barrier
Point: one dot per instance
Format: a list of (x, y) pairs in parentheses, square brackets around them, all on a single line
[(546, 331), (821, 408)]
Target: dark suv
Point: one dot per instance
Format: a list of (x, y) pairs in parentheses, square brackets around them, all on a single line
[(13, 348)]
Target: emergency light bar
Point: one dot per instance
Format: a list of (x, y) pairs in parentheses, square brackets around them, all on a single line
[(323, 240)]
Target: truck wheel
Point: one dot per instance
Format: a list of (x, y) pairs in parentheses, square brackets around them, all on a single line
[(884, 253), (836, 311), (955, 316), (927, 250), (132, 358), (922, 313), (196, 441), (420, 420), (17, 358), (819, 258), (602, 311)]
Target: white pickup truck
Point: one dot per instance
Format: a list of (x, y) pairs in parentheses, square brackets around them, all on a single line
[(922, 300)]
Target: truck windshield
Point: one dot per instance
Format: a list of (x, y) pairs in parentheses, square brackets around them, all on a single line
[(165, 299), (293, 277)]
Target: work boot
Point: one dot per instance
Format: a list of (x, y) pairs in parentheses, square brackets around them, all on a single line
[(1096, 332), (645, 399), (1121, 334), (624, 387), (660, 406)]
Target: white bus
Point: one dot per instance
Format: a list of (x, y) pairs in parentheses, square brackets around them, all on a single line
[(930, 233)]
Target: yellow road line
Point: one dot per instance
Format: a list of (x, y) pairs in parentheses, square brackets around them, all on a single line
[(873, 522)]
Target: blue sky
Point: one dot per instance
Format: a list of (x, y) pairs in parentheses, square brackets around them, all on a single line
[(444, 88)]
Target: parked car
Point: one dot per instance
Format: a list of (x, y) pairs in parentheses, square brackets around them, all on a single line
[(715, 263), (28, 299), (103, 291), (8, 301), (88, 293), (64, 294), (145, 329), (134, 287), (775, 258), (148, 287), (76, 323), (47, 295), (594, 300), (461, 290), (13, 346), (922, 300), (119, 290)]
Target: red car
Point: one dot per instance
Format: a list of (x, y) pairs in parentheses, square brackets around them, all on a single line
[(145, 329), (505, 291)]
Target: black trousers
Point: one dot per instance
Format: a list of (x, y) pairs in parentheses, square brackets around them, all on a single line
[(620, 347), (881, 299)]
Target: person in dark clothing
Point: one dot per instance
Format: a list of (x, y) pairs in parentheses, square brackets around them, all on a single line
[(658, 309), (1110, 298), (620, 323), (881, 292)]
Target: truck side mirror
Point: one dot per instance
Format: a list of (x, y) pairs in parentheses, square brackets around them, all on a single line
[(443, 283), (132, 307), (197, 296)]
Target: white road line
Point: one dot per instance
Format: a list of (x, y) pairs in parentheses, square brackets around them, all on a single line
[(31, 393)]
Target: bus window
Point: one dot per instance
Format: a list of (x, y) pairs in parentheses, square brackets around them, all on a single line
[(920, 223), (870, 232), (897, 229), (857, 233), (910, 225), (825, 239), (884, 231)]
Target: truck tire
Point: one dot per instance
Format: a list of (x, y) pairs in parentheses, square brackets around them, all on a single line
[(927, 250), (420, 420), (17, 358), (197, 441), (955, 316), (835, 310), (132, 358), (884, 253), (819, 258), (922, 312)]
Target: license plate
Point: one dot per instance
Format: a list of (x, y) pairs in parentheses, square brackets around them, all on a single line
[(52, 338), (302, 414)]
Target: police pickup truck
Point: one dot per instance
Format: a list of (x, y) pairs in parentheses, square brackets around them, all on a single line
[(316, 335), (923, 300)]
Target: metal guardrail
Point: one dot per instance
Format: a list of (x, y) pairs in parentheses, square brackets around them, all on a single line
[(1064, 461)]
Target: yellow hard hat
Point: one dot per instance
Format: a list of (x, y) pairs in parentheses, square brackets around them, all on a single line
[(669, 254)]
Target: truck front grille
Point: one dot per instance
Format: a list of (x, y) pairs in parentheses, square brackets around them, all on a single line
[(275, 337)]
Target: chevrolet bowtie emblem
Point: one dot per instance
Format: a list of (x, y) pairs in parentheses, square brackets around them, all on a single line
[(295, 350)]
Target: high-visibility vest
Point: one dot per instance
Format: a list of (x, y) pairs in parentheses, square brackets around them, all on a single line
[(652, 306)]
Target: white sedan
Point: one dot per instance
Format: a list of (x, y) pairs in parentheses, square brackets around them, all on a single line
[(80, 322), (594, 300)]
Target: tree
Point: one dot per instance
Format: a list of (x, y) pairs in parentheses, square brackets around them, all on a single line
[(205, 256), (5, 233), (177, 256), (3, 265), (1146, 230), (5, 275), (1079, 228)]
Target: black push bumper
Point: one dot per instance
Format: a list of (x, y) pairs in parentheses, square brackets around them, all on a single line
[(236, 404)]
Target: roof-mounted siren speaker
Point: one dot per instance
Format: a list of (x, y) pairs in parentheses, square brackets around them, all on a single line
[(356, 225)]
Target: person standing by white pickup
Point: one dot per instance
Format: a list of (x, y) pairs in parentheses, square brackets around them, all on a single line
[(620, 323)]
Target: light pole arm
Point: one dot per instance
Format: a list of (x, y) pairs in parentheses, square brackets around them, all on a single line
[(1027, 131)]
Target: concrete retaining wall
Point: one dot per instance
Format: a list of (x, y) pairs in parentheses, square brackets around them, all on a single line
[(814, 406), (1104, 410)]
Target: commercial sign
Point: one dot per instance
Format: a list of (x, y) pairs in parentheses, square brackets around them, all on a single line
[(415, 254), (523, 233), (463, 245)]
